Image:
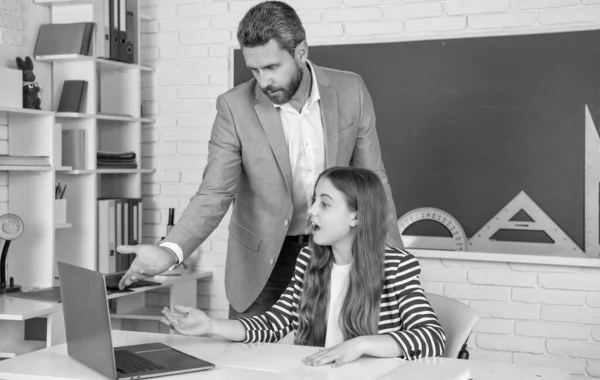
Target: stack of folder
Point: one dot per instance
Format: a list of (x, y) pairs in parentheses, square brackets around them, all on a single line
[(116, 160), (118, 20), (119, 222)]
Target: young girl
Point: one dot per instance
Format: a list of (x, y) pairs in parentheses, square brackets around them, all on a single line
[(349, 293)]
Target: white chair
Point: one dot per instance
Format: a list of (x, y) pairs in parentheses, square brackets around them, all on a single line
[(457, 320)]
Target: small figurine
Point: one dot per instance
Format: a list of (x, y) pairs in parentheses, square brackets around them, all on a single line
[(31, 88)]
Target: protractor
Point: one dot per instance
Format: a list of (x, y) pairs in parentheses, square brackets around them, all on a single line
[(457, 242)]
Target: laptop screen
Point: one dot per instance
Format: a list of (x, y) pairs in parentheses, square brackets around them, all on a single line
[(87, 319)]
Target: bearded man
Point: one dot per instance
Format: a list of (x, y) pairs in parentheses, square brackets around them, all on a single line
[(271, 138)]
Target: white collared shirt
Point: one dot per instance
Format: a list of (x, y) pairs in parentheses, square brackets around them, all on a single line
[(306, 146)]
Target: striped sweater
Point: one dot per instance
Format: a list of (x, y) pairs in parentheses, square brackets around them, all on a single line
[(405, 314)]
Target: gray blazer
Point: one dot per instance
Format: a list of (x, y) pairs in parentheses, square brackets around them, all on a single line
[(248, 164)]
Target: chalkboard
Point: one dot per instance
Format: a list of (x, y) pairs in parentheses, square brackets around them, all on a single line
[(467, 124)]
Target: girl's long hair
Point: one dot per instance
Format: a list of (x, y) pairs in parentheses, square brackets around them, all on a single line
[(360, 310)]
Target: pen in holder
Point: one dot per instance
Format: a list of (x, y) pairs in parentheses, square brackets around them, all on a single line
[(60, 204), (171, 221)]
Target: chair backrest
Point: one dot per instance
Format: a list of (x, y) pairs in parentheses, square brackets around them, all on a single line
[(456, 318)]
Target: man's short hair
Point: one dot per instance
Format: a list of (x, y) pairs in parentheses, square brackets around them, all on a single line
[(271, 20)]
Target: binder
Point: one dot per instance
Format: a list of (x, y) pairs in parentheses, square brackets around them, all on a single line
[(122, 30), (129, 43), (118, 231), (140, 221), (114, 29), (126, 234), (107, 246), (102, 17)]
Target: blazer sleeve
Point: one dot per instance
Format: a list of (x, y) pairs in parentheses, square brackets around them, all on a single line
[(367, 154), (422, 335), (218, 187), (281, 319)]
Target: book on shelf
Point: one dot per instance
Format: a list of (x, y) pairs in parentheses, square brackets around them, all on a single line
[(73, 96), (73, 148), (6, 160), (64, 39)]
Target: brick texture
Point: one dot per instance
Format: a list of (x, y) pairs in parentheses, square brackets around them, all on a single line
[(545, 315)]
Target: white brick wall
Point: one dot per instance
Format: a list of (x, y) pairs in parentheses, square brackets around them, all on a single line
[(536, 324), (18, 33), (537, 314)]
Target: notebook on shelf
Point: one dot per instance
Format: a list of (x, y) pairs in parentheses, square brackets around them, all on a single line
[(73, 96), (64, 39)]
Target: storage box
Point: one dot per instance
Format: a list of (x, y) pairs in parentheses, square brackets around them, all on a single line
[(11, 90), (60, 211)]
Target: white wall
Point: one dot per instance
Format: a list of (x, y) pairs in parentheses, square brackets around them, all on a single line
[(532, 314)]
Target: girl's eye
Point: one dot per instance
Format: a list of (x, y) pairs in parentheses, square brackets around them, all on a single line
[(323, 204)]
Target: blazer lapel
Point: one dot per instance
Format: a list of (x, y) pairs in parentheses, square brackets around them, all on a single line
[(271, 124), (329, 116)]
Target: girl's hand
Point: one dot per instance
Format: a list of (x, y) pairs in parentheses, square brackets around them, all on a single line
[(343, 353), (187, 320)]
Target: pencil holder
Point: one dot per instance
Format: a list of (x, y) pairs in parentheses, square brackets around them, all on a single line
[(60, 211)]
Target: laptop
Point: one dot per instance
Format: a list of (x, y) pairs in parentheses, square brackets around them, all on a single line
[(112, 282), (89, 340)]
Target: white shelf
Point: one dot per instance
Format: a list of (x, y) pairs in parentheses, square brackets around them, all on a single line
[(25, 111), (118, 171), (146, 18), (100, 61), (23, 168), (21, 309), (77, 115), (63, 225), (49, 3), (149, 313), (64, 169), (79, 172), (110, 171), (22, 347)]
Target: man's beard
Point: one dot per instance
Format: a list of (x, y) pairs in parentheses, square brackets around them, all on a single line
[(283, 95)]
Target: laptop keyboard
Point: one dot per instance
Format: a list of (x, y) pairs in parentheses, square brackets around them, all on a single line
[(128, 362)]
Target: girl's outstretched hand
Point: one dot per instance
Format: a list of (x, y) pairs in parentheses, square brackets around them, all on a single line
[(343, 353), (187, 320)]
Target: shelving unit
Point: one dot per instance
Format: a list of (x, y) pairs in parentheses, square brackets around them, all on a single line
[(112, 121), (181, 289), (13, 314)]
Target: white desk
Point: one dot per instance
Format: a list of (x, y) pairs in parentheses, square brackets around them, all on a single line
[(265, 362), (15, 311)]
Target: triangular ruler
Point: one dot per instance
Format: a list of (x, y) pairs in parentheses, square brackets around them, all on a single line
[(592, 181), (562, 245), (457, 242)]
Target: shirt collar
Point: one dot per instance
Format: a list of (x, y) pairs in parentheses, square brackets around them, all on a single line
[(315, 96)]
